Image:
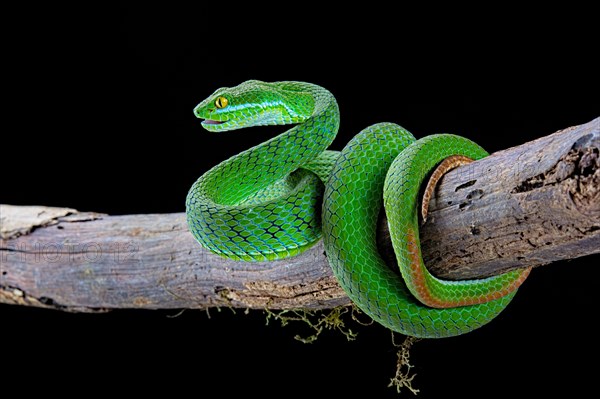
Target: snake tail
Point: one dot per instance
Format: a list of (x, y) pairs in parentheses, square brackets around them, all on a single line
[(404, 178)]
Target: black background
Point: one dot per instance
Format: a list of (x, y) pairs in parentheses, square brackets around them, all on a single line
[(101, 101)]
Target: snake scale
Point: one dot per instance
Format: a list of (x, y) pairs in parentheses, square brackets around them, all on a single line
[(277, 199)]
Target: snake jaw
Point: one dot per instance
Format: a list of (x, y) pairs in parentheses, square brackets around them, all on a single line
[(213, 125)]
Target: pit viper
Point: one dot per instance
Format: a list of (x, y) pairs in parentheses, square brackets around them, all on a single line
[(280, 197)]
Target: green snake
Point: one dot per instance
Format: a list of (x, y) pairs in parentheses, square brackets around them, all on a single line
[(277, 199)]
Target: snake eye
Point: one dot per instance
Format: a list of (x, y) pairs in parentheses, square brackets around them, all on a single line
[(221, 102)]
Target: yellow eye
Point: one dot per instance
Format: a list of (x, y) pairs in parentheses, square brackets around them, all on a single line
[(221, 102)]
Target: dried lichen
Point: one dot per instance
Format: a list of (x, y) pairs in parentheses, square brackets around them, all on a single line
[(318, 321), (404, 377)]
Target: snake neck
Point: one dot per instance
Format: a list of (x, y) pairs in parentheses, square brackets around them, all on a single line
[(242, 175)]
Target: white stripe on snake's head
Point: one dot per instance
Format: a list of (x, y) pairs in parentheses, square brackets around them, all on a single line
[(255, 103)]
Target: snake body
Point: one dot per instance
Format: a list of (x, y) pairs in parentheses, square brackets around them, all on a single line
[(280, 197)]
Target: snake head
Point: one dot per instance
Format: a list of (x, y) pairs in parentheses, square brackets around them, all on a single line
[(255, 103)]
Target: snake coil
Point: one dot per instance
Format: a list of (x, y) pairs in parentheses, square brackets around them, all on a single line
[(276, 199)]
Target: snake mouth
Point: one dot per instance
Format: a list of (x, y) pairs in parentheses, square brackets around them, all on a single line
[(212, 122), (213, 125)]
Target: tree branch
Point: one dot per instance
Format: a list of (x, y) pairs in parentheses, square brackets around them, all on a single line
[(526, 206)]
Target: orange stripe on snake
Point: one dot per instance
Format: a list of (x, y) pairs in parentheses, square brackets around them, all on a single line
[(419, 276)]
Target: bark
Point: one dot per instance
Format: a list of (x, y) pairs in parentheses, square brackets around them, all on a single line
[(525, 206)]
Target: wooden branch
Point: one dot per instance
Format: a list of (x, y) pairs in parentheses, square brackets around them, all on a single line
[(525, 206)]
